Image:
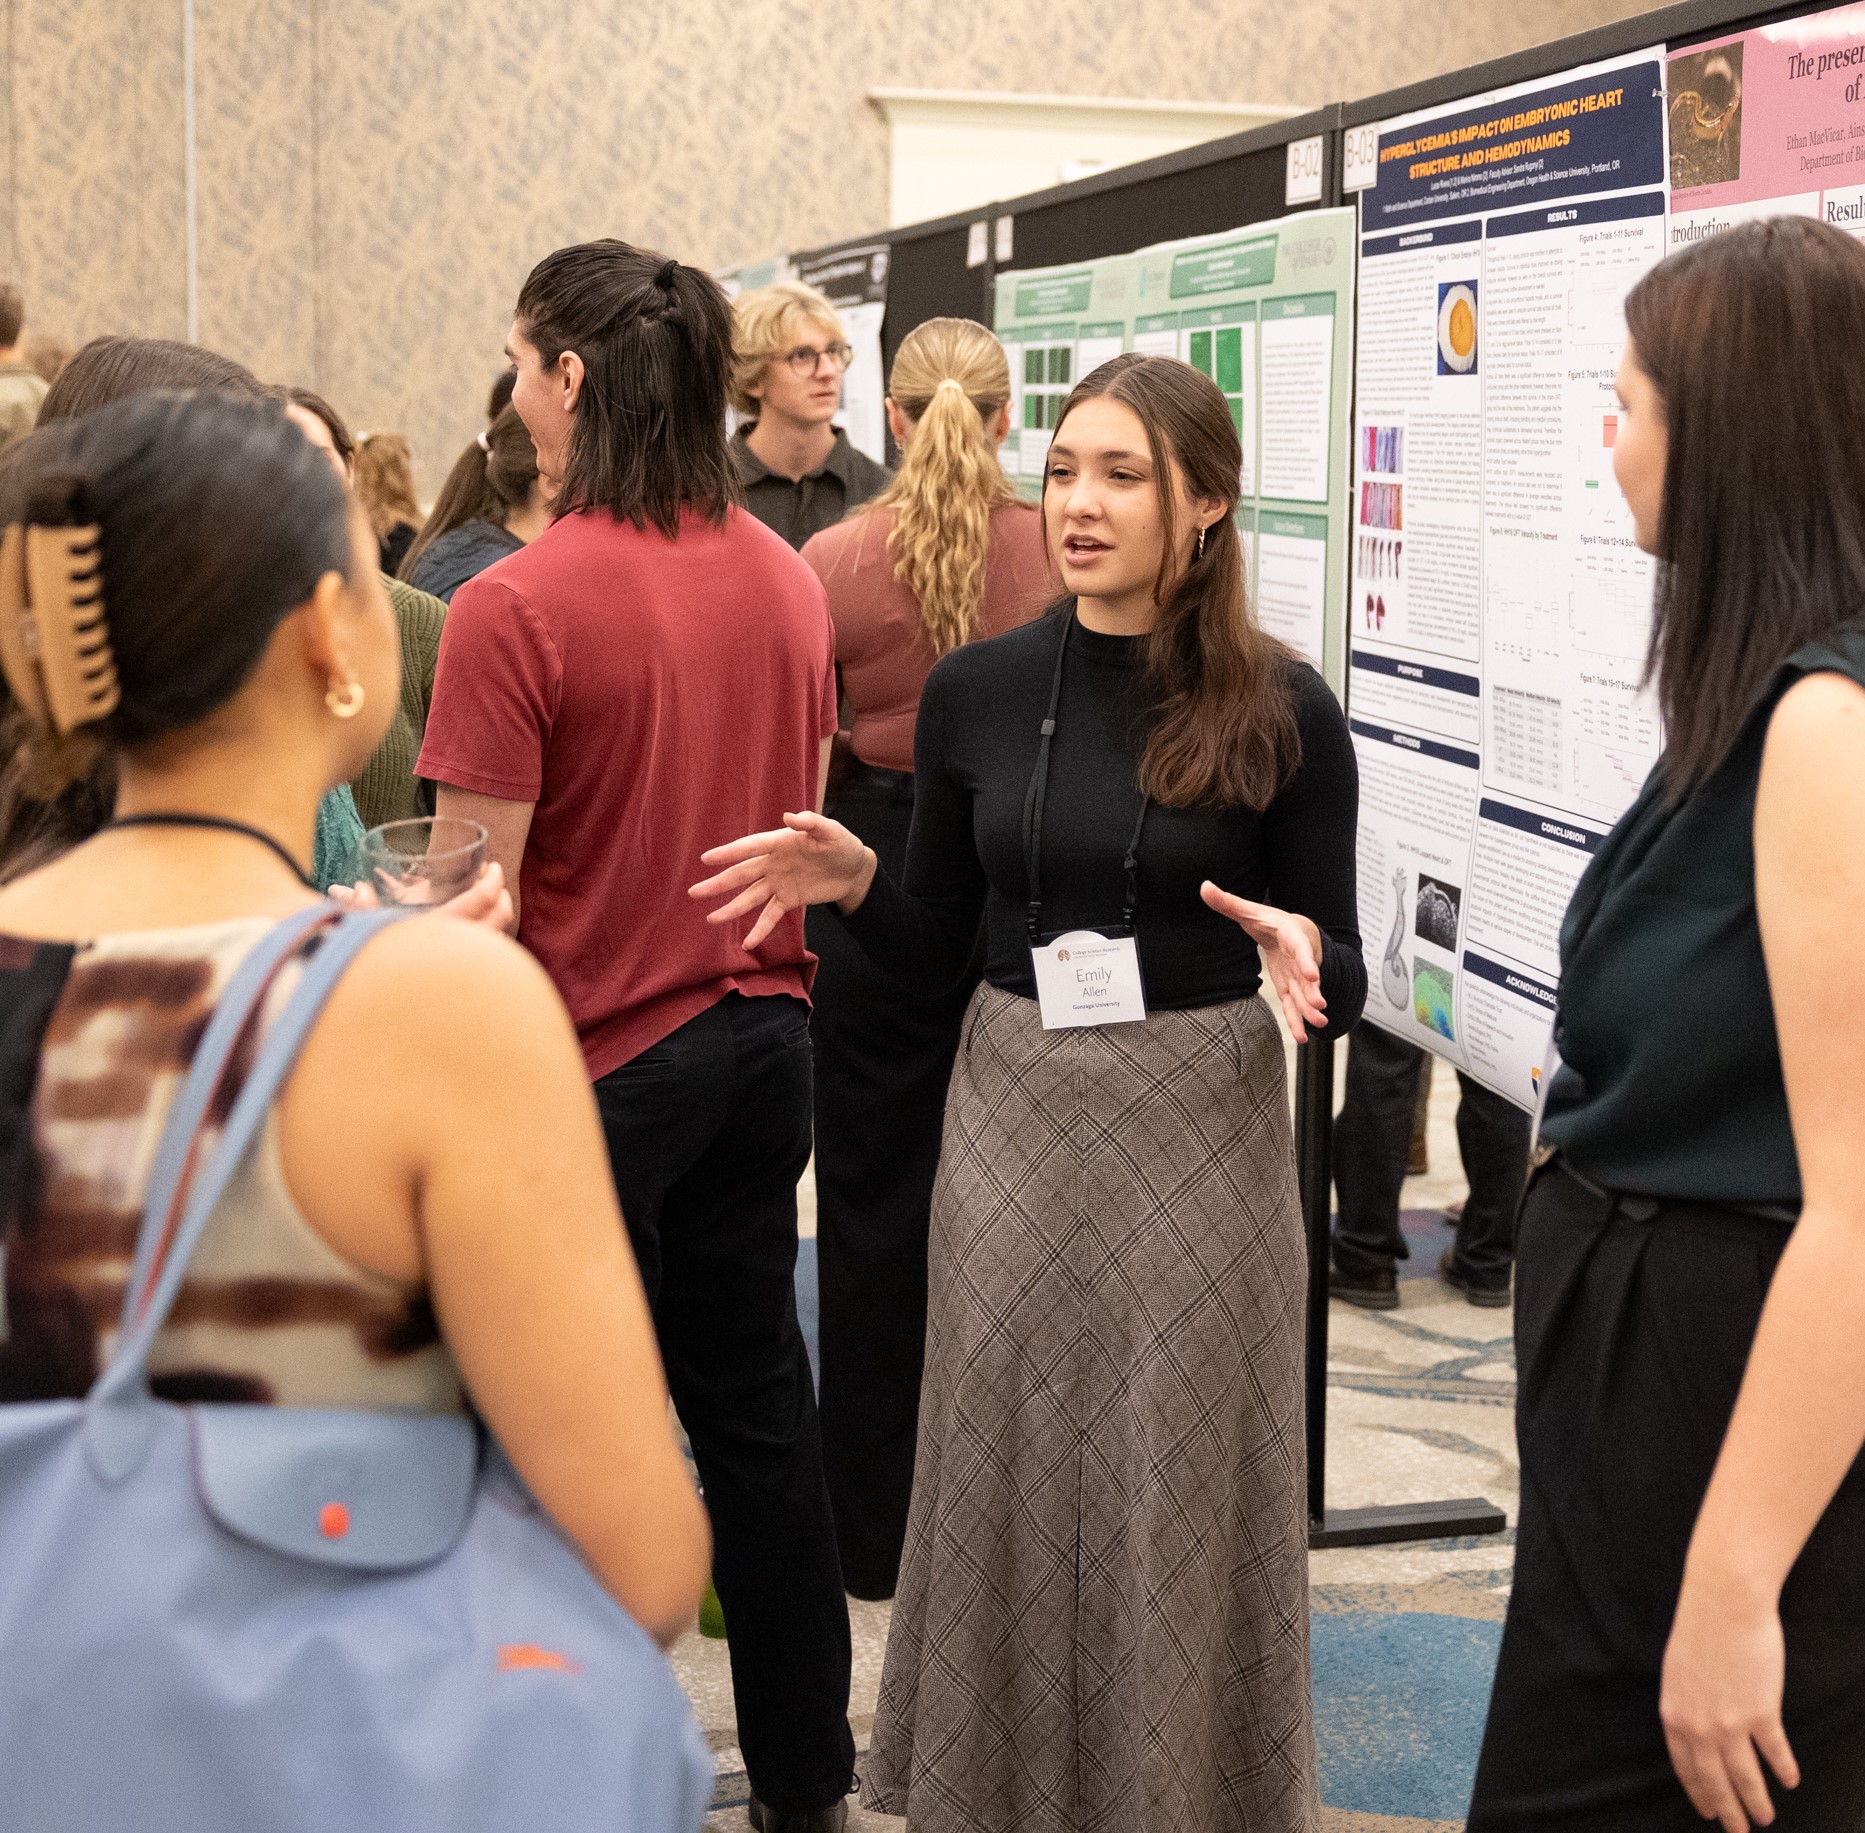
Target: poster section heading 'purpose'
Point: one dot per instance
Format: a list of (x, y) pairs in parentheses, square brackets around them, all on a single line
[(1266, 311)]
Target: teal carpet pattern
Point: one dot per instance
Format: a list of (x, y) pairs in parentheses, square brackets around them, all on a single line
[(1404, 1639)]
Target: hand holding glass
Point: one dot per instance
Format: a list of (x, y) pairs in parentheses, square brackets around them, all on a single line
[(424, 862), (809, 860)]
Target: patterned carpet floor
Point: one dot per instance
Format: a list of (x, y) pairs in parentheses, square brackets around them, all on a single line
[(1404, 1638)]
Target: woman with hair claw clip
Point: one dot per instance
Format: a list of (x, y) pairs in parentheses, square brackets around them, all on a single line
[(429, 1222)]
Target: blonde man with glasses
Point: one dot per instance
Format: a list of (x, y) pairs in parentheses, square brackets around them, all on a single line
[(800, 475)]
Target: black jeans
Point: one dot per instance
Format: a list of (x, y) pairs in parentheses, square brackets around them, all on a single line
[(1373, 1143), (883, 1058), (708, 1132)]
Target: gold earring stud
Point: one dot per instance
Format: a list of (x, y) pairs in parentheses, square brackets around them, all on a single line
[(345, 701)]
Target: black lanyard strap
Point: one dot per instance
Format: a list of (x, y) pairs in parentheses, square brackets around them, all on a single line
[(221, 825), (1033, 816)]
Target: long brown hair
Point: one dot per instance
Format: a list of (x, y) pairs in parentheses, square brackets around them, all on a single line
[(1223, 728), (1752, 340), (490, 480), (951, 379)]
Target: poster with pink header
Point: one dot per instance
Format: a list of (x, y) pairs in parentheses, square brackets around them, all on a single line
[(1769, 122)]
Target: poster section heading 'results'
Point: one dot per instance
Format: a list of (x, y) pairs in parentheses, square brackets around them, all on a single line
[(1499, 611), (1266, 311)]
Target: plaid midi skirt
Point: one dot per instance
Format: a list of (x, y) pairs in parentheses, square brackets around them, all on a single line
[(1102, 1620)]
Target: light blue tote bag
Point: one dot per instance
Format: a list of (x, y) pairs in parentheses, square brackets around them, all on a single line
[(223, 1619)]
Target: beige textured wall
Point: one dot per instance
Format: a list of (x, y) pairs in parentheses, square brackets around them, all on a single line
[(376, 176)]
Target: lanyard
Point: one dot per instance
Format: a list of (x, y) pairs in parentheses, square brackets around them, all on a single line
[(1033, 817)]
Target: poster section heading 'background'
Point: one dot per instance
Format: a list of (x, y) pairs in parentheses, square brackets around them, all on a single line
[(1499, 609), (1266, 311), (854, 280)]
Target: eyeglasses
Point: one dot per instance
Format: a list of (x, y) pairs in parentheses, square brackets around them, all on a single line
[(804, 358)]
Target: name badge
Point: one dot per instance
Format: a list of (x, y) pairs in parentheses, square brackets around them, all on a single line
[(1086, 979)]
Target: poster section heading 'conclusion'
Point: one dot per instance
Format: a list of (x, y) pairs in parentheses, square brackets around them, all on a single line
[(1266, 311), (854, 281), (1499, 611)]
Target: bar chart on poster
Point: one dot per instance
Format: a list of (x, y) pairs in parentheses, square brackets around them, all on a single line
[(1499, 610), (1264, 310)]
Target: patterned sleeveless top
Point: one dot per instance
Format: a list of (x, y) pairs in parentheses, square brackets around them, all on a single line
[(95, 1040)]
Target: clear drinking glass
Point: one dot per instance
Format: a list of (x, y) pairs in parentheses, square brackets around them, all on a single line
[(425, 861)]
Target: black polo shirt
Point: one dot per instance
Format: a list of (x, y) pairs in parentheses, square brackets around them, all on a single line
[(796, 510)]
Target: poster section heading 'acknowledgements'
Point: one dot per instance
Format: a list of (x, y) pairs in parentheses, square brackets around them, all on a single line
[(1499, 609), (1266, 311)]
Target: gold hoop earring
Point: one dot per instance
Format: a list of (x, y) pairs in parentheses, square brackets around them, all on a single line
[(345, 701)]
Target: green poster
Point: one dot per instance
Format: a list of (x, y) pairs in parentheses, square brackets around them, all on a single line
[(1266, 311)]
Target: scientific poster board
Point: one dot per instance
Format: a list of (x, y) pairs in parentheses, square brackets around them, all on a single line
[(1769, 122), (1499, 610), (1265, 310), (854, 280)]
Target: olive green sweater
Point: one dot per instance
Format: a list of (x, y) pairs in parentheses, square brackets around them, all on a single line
[(386, 790)]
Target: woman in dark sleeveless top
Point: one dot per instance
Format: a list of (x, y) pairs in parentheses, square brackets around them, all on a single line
[(1686, 1635)]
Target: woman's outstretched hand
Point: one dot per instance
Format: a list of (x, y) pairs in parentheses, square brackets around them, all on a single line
[(1291, 949), (809, 860)]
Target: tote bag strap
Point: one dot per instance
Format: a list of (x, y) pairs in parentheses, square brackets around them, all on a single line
[(120, 1421), (179, 1147)]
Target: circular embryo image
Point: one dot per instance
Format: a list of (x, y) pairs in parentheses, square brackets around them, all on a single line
[(1457, 328)]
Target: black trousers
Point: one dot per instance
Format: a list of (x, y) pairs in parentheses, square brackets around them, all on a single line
[(1633, 1323), (883, 1058), (708, 1132), (1373, 1143)]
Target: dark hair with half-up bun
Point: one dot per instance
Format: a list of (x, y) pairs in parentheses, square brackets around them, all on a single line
[(655, 339)]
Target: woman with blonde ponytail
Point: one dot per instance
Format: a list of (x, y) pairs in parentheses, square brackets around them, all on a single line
[(945, 555)]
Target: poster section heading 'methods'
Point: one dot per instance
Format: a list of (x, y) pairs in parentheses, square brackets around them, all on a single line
[(1266, 311), (1499, 608), (1770, 122)]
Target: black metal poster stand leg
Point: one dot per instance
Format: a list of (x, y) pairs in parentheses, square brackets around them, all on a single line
[(1314, 1161)]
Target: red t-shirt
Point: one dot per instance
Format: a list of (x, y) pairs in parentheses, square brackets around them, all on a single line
[(653, 698)]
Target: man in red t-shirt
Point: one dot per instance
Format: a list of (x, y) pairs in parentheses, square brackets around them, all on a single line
[(653, 675)]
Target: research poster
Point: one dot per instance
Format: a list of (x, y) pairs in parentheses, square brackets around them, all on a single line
[(854, 280), (1499, 610), (1769, 122), (1266, 311)]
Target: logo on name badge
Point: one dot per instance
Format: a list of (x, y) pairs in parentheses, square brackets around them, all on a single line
[(1062, 954)]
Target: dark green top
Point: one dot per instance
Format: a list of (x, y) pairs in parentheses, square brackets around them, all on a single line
[(1670, 1084)]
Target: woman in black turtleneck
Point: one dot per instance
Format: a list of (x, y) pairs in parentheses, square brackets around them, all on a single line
[(1102, 1611)]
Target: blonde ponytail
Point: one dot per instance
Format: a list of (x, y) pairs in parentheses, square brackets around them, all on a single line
[(950, 378)]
